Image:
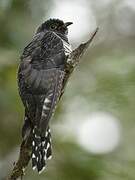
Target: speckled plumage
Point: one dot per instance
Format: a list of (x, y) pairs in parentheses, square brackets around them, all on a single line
[(40, 79)]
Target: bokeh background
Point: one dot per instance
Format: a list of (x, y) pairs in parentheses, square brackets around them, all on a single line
[(93, 129)]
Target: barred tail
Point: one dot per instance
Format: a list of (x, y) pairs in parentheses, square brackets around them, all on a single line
[(41, 149)]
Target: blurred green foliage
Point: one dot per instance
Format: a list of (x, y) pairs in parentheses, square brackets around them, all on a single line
[(107, 76)]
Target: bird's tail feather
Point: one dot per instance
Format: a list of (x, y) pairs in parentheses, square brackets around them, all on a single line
[(41, 149)]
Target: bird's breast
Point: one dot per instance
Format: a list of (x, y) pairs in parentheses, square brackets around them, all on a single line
[(67, 47)]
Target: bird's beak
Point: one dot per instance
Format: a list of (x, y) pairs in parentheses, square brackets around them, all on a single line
[(68, 24)]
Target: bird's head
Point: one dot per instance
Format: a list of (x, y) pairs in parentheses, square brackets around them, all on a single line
[(55, 25)]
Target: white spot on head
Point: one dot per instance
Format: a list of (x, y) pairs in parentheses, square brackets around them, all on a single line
[(36, 148)]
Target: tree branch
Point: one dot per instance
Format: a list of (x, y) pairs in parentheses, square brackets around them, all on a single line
[(75, 58), (23, 160)]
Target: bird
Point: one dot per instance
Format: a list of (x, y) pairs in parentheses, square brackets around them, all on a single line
[(41, 74)]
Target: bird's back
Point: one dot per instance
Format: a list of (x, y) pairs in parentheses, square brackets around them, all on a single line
[(45, 52)]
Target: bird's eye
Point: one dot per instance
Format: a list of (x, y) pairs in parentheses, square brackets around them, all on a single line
[(53, 27)]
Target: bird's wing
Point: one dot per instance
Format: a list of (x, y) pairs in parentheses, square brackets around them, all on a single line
[(41, 74)]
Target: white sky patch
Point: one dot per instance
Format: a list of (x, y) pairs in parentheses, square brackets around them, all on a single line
[(99, 133), (130, 3), (125, 22), (78, 12), (102, 3), (96, 132)]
